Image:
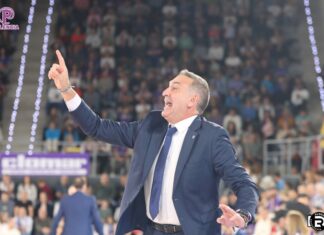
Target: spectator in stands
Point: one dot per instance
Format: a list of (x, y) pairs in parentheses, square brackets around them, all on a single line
[(318, 198), (105, 189), (251, 143), (232, 116), (56, 116), (78, 56), (286, 132), (44, 204), (43, 186), (105, 210), (285, 116), (279, 222), (104, 157), (71, 132), (296, 223), (70, 145), (8, 227), (235, 83), (28, 187), (303, 123), (216, 51), (6, 204), (266, 106), (23, 201), (76, 76), (185, 41), (299, 97), (109, 226), (280, 182), (119, 162), (42, 222), (54, 100), (267, 85), (24, 222), (268, 127), (215, 116), (248, 112), (61, 187), (263, 222), (93, 35), (77, 36), (319, 176), (93, 97), (233, 60), (124, 43), (233, 134), (7, 185), (120, 188), (233, 101)]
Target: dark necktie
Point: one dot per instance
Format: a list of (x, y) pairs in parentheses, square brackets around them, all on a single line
[(158, 173)]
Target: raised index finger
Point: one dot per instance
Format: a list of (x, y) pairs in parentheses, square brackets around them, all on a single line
[(60, 58)]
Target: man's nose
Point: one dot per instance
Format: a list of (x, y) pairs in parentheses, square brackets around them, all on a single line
[(165, 92)]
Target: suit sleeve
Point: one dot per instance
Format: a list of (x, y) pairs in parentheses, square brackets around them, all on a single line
[(233, 174), (57, 218), (119, 133), (95, 217)]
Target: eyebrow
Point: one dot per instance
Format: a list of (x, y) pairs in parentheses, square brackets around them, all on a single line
[(174, 83)]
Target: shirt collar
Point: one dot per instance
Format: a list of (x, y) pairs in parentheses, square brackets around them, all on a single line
[(184, 124)]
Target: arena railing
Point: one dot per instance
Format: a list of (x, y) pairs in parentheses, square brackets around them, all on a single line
[(293, 155)]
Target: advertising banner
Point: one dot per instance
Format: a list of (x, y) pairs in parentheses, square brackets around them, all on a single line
[(45, 164)]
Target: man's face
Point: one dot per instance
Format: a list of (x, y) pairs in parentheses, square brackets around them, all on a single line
[(4, 197), (104, 179), (64, 180), (180, 101)]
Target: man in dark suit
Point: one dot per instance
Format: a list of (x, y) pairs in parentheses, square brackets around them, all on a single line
[(79, 212), (179, 159)]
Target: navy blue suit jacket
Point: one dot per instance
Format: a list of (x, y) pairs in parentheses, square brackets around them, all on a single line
[(79, 212), (206, 156)]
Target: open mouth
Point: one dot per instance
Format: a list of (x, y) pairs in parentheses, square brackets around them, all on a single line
[(168, 104)]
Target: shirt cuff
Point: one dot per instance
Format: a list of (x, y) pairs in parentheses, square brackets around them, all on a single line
[(73, 103)]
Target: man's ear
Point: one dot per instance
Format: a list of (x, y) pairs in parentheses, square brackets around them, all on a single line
[(193, 101)]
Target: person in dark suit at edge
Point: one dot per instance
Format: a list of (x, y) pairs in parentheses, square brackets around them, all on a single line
[(179, 159), (79, 212)]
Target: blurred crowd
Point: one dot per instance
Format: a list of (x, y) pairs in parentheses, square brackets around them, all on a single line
[(8, 44), (27, 207), (122, 54), (285, 204)]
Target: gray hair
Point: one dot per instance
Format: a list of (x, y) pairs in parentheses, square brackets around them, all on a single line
[(200, 85)]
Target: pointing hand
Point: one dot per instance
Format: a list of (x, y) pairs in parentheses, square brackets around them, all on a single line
[(59, 73)]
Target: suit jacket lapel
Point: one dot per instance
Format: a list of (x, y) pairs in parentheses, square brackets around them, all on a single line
[(188, 143), (153, 148)]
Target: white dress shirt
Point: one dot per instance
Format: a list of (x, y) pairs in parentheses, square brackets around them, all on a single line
[(73, 103), (167, 213)]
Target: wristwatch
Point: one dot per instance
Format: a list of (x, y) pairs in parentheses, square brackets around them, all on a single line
[(245, 215)]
